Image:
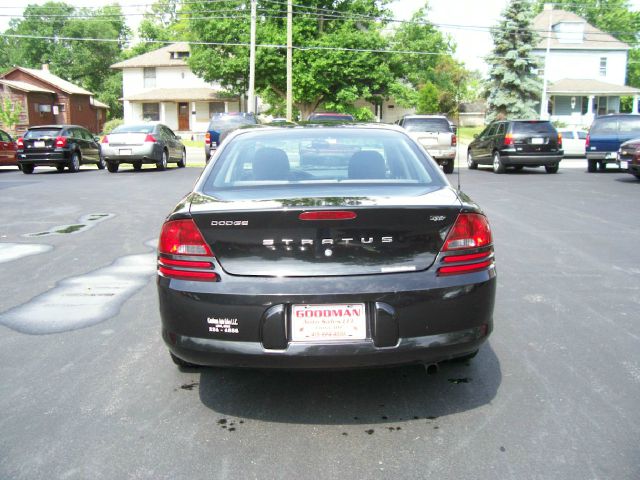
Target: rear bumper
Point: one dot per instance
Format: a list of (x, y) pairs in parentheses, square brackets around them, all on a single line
[(411, 318), (607, 157), (530, 160), (146, 154), (440, 155), (44, 158)]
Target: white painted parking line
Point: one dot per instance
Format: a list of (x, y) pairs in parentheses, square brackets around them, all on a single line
[(14, 251)]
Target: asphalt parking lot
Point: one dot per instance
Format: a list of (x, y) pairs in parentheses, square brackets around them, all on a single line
[(87, 388)]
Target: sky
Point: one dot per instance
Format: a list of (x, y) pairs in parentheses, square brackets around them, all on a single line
[(472, 45)]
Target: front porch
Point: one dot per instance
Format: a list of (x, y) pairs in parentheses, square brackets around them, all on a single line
[(576, 102)]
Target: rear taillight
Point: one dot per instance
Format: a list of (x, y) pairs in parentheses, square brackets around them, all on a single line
[(454, 140), (20, 142), (587, 141), (207, 138), (180, 240), (508, 139), (61, 142), (559, 139), (150, 138), (470, 233), (105, 139)]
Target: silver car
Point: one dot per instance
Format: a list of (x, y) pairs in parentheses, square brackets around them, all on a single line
[(142, 143)]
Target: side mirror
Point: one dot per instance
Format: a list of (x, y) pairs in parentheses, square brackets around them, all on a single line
[(96, 139)]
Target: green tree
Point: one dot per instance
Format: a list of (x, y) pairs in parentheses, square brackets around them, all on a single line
[(614, 17), (161, 24), (514, 89), (321, 75), (9, 113), (428, 101)]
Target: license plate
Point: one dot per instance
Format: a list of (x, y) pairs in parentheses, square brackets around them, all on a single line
[(537, 141), (38, 144), (322, 323), (624, 165), (125, 152)]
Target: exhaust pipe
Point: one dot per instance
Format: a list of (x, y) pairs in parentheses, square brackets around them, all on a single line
[(432, 368)]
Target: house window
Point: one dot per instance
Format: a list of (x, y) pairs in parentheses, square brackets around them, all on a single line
[(149, 77), (151, 112), (215, 107), (176, 55), (603, 66), (61, 107)]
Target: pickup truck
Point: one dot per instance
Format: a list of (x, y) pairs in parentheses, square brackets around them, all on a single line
[(435, 134), (606, 135)]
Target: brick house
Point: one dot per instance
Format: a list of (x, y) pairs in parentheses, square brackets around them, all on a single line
[(48, 99)]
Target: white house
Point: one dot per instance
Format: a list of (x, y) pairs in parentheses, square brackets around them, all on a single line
[(160, 86), (585, 68)]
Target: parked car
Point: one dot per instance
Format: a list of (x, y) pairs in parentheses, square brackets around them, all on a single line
[(272, 263), (7, 150), (140, 143), (606, 135), (330, 117), (573, 142), (517, 144), (436, 134), (629, 157), (58, 146), (223, 122)]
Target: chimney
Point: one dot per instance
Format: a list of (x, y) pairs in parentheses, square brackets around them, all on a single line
[(45, 67), (548, 6)]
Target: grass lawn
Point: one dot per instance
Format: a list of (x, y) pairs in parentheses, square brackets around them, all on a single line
[(193, 143), (465, 134)]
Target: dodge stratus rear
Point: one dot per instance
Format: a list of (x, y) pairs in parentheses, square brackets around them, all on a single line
[(369, 260)]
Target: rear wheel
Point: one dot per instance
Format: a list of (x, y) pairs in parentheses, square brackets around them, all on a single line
[(27, 169), (498, 166), (592, 166), (113, 166), (181, 363), (74, 163), (183, 161), (162, 164), (551, 168), (637, 175), (137, 166), (60, 168), (471, 163), (448, 167), (101, 163), (602, 165)]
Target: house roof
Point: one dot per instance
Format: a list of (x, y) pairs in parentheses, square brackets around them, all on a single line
[(177, 95), (53, 80), (24, 86), (99, 104), (157, 58), (594, 38), (571, 86)]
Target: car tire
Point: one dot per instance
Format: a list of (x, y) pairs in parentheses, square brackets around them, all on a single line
[(113, 166), (27, 169), (137, 166), (183, 161), (448, 167), (74, 163), (181, 363), (602, 165), (60, 168), (592, 165), (471, 163), (101, 163), (552, 168), (498, 166), (162, 163)]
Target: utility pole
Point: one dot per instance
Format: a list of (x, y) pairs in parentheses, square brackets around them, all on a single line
[(289, 61), (252, 61), (544, 114)]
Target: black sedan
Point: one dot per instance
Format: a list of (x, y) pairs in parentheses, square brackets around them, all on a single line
[(371, 261), (628, 157), (58, 146)]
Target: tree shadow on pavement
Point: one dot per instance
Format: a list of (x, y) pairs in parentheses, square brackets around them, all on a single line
[(352, 397)]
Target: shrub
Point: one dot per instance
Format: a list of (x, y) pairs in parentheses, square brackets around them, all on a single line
[(111, 124)]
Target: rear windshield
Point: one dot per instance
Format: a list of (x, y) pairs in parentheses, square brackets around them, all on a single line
[(330, 118), (324, 158), (42, 133), (134, 129), (427, 125), (542, 128), (231, 121)]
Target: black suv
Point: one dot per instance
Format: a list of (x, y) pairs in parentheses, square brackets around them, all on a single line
[(221, 123), (517, 143), (58, 146)]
